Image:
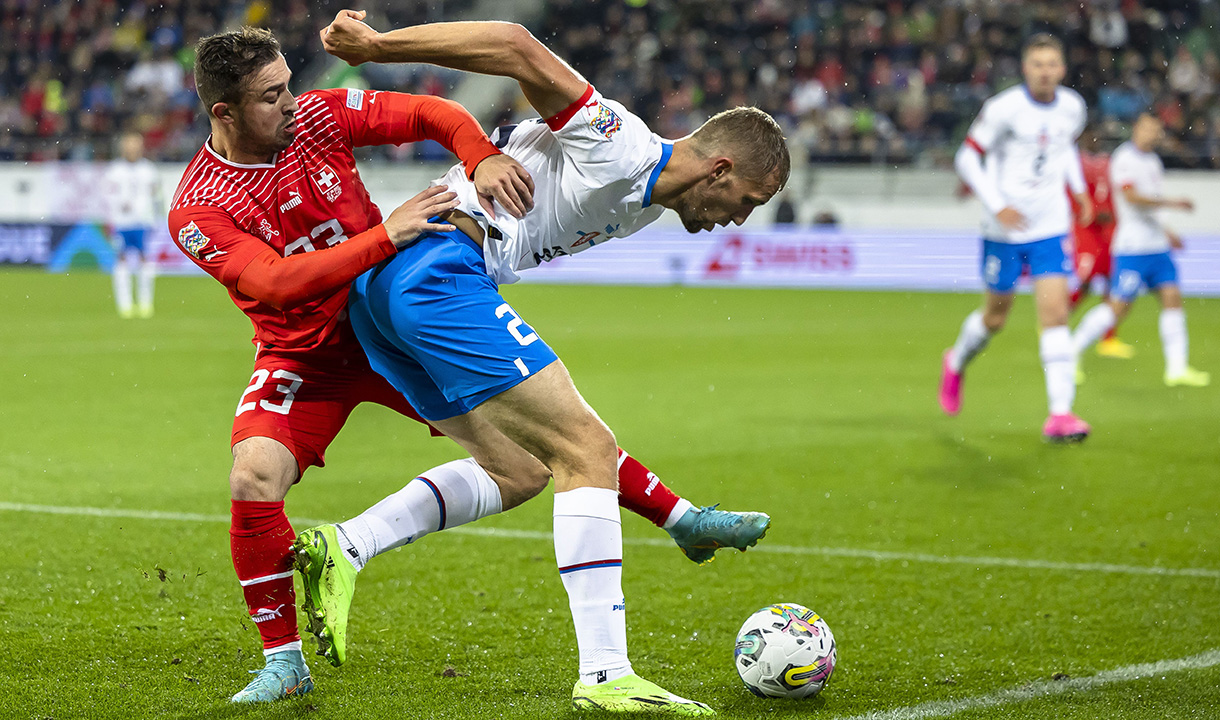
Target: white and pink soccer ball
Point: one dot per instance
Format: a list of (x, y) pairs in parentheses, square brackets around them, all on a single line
[(785, 651)]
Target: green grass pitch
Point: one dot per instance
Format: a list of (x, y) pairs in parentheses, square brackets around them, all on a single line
[(816, 407)]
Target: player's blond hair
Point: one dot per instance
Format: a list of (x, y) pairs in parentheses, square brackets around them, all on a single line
[(225, 63), (751, 138)]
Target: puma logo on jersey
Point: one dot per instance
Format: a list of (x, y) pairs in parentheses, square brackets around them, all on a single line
[(265, 614), (293, 201)]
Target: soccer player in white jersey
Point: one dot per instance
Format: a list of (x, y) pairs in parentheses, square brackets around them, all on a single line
[(433, 323), (1018, 155), (133, 194), (1141, 252)]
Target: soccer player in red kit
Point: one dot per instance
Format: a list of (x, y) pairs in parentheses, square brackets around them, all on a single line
[(272, 206), (1092, 241)]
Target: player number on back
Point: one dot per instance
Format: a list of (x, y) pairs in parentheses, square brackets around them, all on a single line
[(289, 391)]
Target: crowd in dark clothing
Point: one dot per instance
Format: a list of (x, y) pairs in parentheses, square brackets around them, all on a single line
[(862, 81), (894, 81), (75, 74)]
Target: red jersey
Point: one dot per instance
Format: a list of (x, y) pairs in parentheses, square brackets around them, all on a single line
[(263, 223), (1097, 183)]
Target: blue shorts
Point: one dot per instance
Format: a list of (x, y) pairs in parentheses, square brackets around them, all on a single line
[(1133, 273), (433, 323), (1003, 262), (133, 238)]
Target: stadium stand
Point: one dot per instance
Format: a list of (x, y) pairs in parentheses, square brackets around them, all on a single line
[(862, 81)]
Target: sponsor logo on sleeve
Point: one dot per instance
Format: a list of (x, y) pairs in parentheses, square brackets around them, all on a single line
[(355, 99), (192, 239), (605, 121)]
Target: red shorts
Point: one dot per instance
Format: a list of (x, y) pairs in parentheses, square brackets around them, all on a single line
[(303, 401), (1093, 252)]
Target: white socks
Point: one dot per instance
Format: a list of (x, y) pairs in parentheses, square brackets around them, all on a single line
[(148, 273), (1095, 324), (1174, 340), (1059, 363), (970, 341), (121, 278), (122, 287), (446, 496), (589, 550)]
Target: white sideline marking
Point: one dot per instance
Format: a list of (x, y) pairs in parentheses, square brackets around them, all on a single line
[(878, 555), (1043, 688)]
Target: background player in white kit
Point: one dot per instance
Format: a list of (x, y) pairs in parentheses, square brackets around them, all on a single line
[(1141, 252), (133, 207), (1018, 155)]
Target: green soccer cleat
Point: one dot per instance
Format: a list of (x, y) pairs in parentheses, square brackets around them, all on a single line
[(703, 531), (1189, 378), (284, 675), (632, 693), (329, 581)]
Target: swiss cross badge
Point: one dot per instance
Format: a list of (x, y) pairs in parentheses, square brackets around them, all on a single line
[(327, 181)]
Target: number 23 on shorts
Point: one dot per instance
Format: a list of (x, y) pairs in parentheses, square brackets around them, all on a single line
[(288, 390)]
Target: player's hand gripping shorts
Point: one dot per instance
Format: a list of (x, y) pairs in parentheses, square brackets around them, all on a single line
[(434, 324)]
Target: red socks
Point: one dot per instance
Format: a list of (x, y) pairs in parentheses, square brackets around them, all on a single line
[(643, 493), (261, 540)]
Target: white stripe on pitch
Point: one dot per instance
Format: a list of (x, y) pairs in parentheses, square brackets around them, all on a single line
[(1043, 688), (877, 555)]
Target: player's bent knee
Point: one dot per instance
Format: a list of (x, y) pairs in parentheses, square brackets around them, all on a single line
[(262, 471)]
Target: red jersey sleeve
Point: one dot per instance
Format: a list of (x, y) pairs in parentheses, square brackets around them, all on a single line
[(248, 266), (208, 236), (373, 117)]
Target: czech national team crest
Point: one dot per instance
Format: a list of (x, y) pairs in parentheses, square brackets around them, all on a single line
[(328, 182), (606, 121), (192, 239)]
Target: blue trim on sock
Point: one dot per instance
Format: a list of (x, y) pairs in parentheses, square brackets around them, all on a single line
[(440, 501)]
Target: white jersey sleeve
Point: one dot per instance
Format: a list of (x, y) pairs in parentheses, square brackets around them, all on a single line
[(990, 127), (594, 166), (606, 141)]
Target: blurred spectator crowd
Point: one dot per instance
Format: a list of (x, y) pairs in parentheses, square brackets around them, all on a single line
[(75, 74), (862, 81), (895, 81)]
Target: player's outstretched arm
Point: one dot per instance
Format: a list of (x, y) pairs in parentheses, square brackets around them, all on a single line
[(487, 48)]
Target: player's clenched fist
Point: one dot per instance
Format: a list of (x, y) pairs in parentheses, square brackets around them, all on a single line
[(348, 37), (410, 219), (503, 179)]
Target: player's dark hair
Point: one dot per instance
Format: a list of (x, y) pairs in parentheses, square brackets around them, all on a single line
[(1042, 40), (751, 137), (225, 63)]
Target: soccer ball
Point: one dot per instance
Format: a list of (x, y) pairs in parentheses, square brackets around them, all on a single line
[(785, 651)]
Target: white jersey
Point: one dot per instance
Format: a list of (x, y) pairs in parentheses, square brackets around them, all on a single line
[(594, 166), (1139, 230), (1030, 155), (133, 194)]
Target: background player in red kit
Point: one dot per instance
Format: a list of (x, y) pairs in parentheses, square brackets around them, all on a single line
[(1092, 241), (273, 207)]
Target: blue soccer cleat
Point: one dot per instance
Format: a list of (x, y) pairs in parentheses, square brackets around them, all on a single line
[(703, 531), (284, 675)]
